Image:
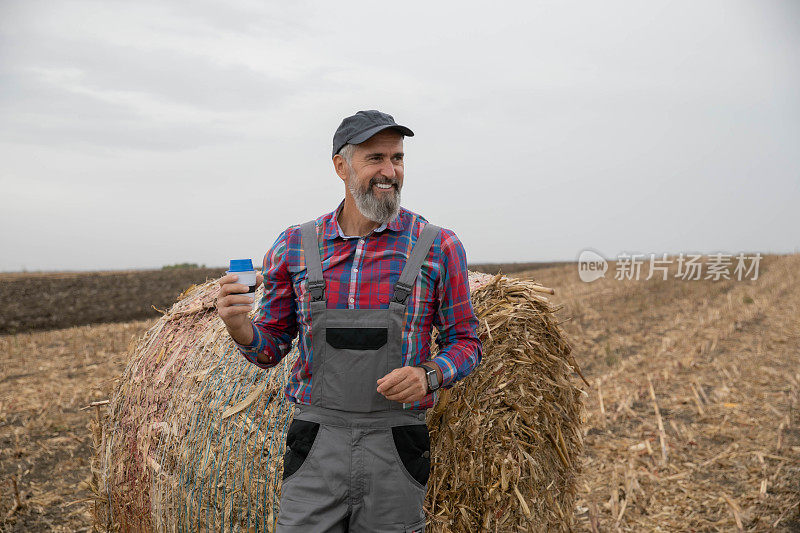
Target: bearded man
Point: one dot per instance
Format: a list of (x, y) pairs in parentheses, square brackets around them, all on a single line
[(363, 285)]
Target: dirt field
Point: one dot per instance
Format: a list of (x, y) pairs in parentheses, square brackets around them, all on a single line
[(692, 420), (46, 300)]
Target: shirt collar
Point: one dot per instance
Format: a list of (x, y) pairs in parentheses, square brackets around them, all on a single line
[(331, 230)]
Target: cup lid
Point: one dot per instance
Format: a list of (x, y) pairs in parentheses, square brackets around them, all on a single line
[(241, 265)]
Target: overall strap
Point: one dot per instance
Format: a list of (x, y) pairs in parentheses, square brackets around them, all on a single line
[(316, 284), (402, 290)]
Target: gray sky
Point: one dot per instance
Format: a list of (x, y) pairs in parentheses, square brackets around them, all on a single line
[(138, 134)]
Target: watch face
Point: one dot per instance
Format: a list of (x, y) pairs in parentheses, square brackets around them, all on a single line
[(432, 381)]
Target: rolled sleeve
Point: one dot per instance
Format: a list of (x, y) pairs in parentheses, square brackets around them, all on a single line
[(460, 349), (275, 324)]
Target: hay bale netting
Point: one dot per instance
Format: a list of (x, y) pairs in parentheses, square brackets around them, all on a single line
[(193, 438)]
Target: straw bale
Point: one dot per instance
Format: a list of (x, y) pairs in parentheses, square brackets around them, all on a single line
[(507, 439), (193, 438)]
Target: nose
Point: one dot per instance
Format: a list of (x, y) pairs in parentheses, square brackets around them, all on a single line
[(387, 169)]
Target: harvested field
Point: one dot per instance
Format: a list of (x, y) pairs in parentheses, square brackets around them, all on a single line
[(722, 358), (693, 422), (45, 379), (63, 299)]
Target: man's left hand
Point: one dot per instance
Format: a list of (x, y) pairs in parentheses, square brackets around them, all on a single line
[(405, 384)]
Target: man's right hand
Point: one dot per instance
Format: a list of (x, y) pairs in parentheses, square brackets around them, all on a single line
[(236, 316)]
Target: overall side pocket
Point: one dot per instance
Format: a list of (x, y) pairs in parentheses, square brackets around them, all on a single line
[(413, 445), (300, 439)]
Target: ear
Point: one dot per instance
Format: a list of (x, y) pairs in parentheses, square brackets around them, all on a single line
[(340, 166)]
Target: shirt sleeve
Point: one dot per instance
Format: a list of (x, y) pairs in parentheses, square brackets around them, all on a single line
[(460, 349), (275, 323)]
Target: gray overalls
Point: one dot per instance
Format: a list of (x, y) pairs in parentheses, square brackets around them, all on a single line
[(355, 461)]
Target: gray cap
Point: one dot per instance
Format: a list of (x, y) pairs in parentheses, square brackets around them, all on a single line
[(363, 125)]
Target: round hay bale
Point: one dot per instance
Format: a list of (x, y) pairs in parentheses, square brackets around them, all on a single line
[(193, 438)]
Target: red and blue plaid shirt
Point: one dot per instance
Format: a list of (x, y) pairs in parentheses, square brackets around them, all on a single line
[(360, 272)]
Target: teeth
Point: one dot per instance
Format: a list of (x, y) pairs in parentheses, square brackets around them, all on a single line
[(384, 186)]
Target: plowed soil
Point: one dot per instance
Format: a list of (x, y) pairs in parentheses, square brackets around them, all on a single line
[(60, 300)]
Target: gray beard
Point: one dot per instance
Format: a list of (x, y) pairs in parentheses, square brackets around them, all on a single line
[(380, 210)]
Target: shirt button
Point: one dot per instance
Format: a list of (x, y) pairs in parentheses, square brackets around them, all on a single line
[(355, 270), (352, 300)]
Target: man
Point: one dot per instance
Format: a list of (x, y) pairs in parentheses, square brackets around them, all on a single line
[(364, 285)]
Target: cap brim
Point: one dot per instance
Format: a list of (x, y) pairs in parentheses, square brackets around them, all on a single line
[(364, 135)]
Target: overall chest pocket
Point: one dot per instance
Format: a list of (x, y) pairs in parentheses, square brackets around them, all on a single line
[(356, 338)]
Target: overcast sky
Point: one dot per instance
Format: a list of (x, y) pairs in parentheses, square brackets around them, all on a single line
[(138, 134)]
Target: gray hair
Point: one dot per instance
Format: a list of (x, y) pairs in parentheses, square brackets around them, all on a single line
[(347, 153)]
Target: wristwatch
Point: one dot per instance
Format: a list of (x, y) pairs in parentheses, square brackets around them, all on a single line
[(432, 376)]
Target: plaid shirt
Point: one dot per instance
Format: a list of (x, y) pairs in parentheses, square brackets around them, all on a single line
[(360, 272)]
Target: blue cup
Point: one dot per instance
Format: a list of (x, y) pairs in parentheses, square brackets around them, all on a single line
[(247, 275)]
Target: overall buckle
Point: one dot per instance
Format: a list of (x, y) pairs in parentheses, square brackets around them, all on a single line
[(401, 292), (317, 290)]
